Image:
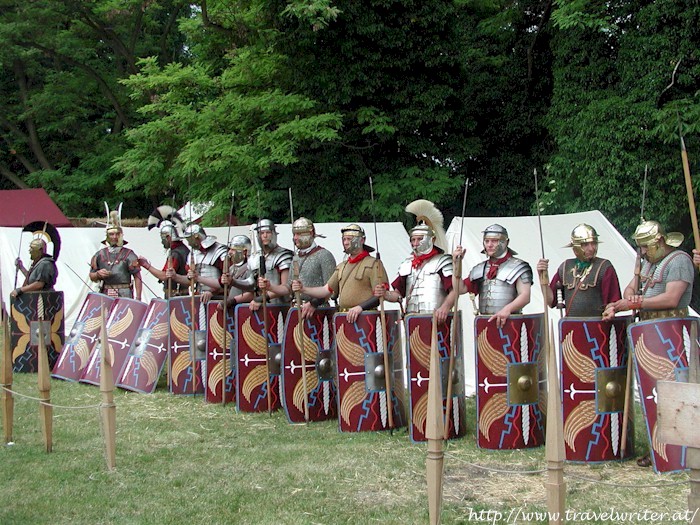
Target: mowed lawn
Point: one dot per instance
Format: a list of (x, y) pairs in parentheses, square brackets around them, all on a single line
[(181, 461)]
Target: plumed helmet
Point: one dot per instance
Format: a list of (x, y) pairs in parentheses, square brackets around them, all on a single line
[(429, 225), (496, 231), (241, 246), (114, 224), (358, 237), (266, 225), (168, 220)]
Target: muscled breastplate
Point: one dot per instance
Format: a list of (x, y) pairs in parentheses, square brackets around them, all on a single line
[(495, 293), (583, 295), (424, 289)]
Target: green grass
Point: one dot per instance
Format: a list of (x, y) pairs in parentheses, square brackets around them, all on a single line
[(181, 461)]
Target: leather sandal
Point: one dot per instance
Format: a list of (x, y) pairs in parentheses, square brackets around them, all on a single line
[(644, 461)]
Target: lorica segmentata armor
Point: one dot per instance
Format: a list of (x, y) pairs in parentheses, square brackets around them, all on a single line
[(495, 293)]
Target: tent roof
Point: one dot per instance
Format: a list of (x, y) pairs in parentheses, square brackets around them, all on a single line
[(20, 207)]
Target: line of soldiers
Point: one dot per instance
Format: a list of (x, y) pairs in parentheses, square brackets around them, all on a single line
[(508, 343)]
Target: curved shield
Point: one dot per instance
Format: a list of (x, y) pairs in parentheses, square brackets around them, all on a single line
[(148, 352), (184, 327), (510, 369), (26, 312), (82, 338), (362, 401), (256, 353), (123, 323), (418, 334), (317, 343), (593, 356), (220, 371), (662, 351)]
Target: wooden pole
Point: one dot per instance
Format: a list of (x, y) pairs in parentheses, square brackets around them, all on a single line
[(300, 337), (388, 368), (693, 454), (266, 325), (691, 197), (434, 431), (44, 381), (554, 445), (108, 410), (193, 317), (8, 402)]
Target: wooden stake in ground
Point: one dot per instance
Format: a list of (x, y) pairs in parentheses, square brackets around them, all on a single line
[(554, 444), (108, 410), (434, 430), (8, 402), (44, 381)]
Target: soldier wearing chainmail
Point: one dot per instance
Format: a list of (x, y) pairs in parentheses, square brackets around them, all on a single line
[(42, 273), (315, 265), (666, 276), (587, 282), (425, 277), (116, 266), (502, 282), (208, 256), (354, 280)]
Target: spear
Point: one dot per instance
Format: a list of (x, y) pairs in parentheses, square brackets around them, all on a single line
[(434, 463), (262, 270), (382, 317), (300, 322), (224, 343), (456, 278), (689, 189), (19, 250), (193, 342)]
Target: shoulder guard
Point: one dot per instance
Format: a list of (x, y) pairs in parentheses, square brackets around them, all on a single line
[(478, 272), (514, 268), (405, 267)]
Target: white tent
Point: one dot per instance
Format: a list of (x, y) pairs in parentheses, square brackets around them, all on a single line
[(79, 244), (524, 237)]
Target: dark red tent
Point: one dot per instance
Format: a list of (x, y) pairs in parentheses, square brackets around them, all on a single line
[(20, 207)]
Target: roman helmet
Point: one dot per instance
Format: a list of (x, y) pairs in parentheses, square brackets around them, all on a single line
[(581, 234), (266, 225), (649, 233), (169, 221), (429, 226), (357, 242), (114, 224), (305, 231), (194, 230), (496, 231), (241, 246), (43, 233)]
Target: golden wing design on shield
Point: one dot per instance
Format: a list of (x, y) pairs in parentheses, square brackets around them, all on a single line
[(354, 395), (253, 339), (311, 384), (420, 412), (583, 416), (118, 327), (92, 324), (83, 352), (159, 331), (581, 365), (492, 358), (658, 446), (179, 329), (148, 363), (21, 321), (310, 350), (255, 379), (55, 326), (182, 362), (217, 331), (350, 351), (21, 347), (494, 409), (216, 376), (654, 365), (420, 350)]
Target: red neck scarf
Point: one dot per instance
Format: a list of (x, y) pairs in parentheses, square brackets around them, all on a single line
[(418, 260), (495, 263), (357, 258)]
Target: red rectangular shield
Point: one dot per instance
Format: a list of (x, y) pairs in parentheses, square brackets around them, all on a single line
[(362, 397), (24, 324), (256, 353), (184, 324), (148, 352), (220, 371), (123, 322), (82, 338)]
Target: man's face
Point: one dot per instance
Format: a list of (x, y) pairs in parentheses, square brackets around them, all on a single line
[(237, 256), (165, 239), (35, 251), (195, 242), (352, 245), (416, 240), (265, 237), (303, 240), (113, 237), (492, 246), (587, 251)]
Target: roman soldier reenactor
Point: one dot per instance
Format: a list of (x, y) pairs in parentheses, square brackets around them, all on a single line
[(278, 261), (115, 267)]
